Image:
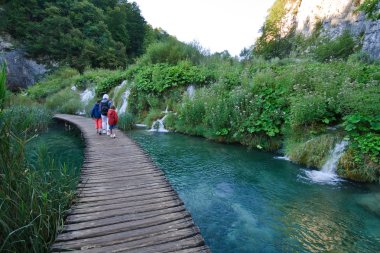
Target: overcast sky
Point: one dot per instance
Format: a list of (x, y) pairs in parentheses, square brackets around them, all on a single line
[(217, 25)]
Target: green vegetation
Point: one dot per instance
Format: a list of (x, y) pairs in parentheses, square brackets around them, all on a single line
[(295, 95), (287, 104), (84, 33), (3, 87), (36, 184), (370, 8)]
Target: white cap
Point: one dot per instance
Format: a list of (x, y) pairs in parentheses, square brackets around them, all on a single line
[(105, 96)]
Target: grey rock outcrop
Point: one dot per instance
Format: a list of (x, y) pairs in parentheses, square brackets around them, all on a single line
[(21, 72), (335, 17)]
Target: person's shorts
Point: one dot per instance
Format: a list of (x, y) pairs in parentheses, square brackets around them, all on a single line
[(112, 126)]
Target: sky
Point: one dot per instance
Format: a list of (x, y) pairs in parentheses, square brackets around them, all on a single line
[(217, 25)]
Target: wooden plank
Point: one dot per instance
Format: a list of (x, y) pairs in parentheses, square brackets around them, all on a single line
[(121, 218), (124, 195), (170, 246), (149, 197), (75, 218), (92, 192), (121, 226), (106, 240), (123, 205)]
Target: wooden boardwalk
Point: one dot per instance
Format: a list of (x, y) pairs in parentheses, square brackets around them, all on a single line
[(125, 203)]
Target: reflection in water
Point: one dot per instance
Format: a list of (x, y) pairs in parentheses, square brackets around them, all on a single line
[(247, 201)]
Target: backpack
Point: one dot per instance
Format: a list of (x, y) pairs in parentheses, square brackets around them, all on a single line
[(104, 106), (95, 113)]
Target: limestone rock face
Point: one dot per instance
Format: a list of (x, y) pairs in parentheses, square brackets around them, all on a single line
[(335, 16), (21, 72)]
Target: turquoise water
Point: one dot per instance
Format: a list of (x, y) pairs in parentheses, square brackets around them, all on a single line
[(248, 201), (57, 145)]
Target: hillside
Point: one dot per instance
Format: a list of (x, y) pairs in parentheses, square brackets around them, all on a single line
[(316, 20)]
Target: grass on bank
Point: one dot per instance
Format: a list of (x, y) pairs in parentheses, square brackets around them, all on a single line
[(34, 193)]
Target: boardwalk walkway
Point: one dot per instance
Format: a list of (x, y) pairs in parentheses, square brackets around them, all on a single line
[(125, 203)]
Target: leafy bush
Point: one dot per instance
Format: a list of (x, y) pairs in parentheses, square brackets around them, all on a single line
[(364, 131), (65, 101), (108, 82), (60, 79), (170, 51), (358, 98), (309, 109), (170, 121), (160, 77), (192, 112), (340, 48)]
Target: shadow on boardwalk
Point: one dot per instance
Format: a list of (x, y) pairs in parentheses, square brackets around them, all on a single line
[(125, 203)]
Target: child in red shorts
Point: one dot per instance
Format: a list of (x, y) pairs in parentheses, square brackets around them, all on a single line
[(96, 115)]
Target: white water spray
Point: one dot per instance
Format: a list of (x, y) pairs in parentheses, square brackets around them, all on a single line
[(87, 95), (85, 98), (158, 126), (125, 97), (328, 174), (117, 88), (286, 158), (191, 91)]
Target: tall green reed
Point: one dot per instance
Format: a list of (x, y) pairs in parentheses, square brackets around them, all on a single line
[(33, 196)]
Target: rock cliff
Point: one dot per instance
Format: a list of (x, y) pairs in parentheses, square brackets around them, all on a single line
[(333, 17), (21, 71)]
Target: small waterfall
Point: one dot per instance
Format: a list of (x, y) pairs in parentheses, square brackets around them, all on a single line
[(117, 88), (328, 172), (74, 88), (125, 97), (87, 95), (191, 91), (85, 98), (158, 126)]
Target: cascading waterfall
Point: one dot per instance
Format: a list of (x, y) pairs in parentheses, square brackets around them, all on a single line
[(328, 172), (191, 91), (117, 88), (124, 105), (158, 125), (85, 97)]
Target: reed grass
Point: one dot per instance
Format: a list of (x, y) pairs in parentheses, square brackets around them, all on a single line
[(34, 196)]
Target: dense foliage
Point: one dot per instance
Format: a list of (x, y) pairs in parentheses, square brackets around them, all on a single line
[(80, 33), (272, 43)]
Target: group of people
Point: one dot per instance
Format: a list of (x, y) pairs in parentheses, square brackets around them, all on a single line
[(105, 116)]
